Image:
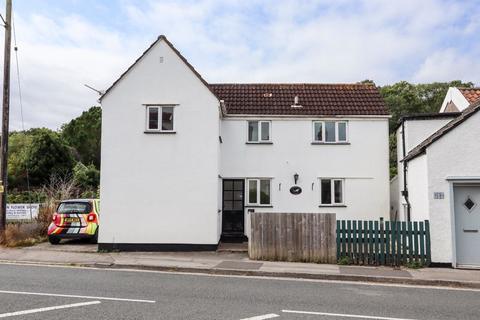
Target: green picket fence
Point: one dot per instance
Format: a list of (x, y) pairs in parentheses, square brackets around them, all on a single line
[(391, 243)]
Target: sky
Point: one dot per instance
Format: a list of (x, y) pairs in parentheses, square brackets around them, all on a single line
[(63, 45)]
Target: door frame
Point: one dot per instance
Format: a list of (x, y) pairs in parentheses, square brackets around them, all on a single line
[(457, 182), (243, 203)]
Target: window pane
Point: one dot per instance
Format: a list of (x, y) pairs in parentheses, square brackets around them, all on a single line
[(237, 205), (337, 184), (253, 131), (238, 195), (317, 131), (227, 195), (342, 131), (252, 191), (227, 205), (153, 118), (264, 191), (326, 186), (228, 185), (238, 185), (167, 118), (265, 131), (330, 131)]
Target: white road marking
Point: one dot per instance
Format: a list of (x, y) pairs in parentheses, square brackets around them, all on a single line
[(343, 315), (73, 305), (357, 283), (262, 317), (74, 296)]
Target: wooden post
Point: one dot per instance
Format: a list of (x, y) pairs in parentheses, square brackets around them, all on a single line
[(5, 114)]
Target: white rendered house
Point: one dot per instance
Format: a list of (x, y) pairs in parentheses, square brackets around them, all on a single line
[(185, 162), (439, 177)]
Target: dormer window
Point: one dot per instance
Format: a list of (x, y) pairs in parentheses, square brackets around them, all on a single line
[(259, 132)]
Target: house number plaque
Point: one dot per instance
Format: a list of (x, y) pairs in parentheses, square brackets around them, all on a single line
[(295, 190)]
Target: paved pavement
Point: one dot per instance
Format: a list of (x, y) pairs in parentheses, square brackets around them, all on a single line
[(77, 253), (40, 292)]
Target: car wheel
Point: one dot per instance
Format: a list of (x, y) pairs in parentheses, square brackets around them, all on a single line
[(53, 240), (94, 239)]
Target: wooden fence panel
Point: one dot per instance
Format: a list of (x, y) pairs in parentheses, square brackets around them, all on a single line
[(383, 243), (307, 237)]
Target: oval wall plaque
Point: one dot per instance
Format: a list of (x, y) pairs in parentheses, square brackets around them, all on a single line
[(295, 190)]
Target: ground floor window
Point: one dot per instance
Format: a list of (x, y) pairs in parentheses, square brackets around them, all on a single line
[(258, 192), (331, 191)]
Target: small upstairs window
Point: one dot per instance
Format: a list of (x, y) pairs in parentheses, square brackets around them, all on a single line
[(330, 132), (160, 119), (259, 132)]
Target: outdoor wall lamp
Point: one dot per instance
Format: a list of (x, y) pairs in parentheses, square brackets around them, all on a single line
[(295, 177)]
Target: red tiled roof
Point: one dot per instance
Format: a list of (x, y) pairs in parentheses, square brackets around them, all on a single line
[(471, 94), (277, 99), (315, 99)]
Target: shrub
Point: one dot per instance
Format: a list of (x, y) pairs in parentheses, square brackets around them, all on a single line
[(87, 177), (415, 264), (34, 196), (344, 261), (23, 234)]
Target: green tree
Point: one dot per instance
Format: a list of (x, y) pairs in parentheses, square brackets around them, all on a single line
[(48, 155), (403, 98), (87, 177), (83, 135), (19, 143)]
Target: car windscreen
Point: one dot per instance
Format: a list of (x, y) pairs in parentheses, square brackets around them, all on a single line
[(74, 207)]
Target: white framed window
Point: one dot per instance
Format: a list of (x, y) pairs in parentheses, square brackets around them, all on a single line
[(332, 191), (160, 118), (259, 131), (259, 192), (330, 131)]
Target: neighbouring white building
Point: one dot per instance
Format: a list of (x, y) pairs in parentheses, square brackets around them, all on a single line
[(185, 162), (439, 176)]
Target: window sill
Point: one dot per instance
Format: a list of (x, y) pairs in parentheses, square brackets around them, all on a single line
[(331, 143), (263, 142), (259, 206), (159, 132), (332, 206)]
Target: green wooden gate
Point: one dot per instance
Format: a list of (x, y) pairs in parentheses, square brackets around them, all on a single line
[(390, 243)]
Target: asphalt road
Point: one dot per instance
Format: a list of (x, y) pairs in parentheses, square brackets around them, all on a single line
[(40, 292)]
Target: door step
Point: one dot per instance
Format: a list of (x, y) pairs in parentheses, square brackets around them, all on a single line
[(233, 247), (233, 238)]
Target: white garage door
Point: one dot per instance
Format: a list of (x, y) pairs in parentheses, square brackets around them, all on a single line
[(467, 225)]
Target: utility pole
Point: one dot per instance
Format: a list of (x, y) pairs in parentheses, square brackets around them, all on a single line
[(5, 115)]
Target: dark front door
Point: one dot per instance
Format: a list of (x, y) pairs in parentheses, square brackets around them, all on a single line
[(233, 209)]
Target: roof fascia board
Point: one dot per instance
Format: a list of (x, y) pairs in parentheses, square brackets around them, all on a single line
[(276, 116), (426, 116)]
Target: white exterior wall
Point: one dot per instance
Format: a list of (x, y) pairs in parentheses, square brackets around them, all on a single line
[(418, 188), (416, 131), (456, 154), (363, 163), (160, 188)]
